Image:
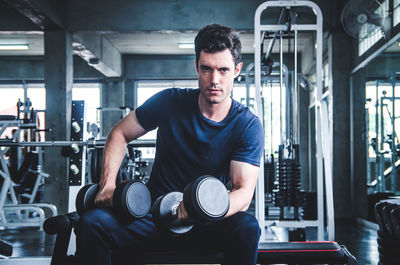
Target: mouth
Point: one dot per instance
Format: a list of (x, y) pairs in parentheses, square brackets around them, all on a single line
[(214, 90)]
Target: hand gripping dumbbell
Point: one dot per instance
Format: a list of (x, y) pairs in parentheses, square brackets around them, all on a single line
[(131, 199), (206, 200)]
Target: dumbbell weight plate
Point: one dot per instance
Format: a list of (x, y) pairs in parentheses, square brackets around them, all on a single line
[(387, 242), (378, 209), (206, 199), (131, 200), (387, 219), (388, 260), (395, 215), (85, 198), (164, 213)]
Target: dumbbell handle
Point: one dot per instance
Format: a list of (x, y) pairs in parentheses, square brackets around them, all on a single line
[(174, 215), (174, 211)]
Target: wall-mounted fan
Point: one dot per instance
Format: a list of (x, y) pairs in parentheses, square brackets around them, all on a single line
[(356, 13)]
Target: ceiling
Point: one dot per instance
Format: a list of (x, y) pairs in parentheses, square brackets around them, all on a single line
[(158, 43)]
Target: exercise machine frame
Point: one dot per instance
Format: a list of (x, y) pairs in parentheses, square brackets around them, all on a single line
[(323, 144)]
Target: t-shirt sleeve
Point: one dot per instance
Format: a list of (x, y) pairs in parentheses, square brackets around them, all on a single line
[(150, 113), (251, 144)]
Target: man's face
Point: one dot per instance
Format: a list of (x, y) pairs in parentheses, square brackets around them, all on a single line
[(216, 74)]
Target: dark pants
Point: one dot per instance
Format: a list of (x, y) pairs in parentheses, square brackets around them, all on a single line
[(99, 233)]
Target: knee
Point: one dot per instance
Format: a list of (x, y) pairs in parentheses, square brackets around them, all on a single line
[(246, 228), (90, 221)]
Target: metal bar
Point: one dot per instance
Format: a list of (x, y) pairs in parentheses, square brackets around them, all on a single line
[(381, 146), (377, 164), (302, 27), (90, 144), (280, 84), (259, 193), (295, 95), (394, 156), (272, 42), (309, 150), (248, 69)]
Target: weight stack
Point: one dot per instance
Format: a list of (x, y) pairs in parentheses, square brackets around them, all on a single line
[(269, 174), (387, 214), (310, 206), (288, 193)]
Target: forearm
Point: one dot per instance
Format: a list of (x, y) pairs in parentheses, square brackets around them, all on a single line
[(244, 178), (122, 133), (238, 201), (113, 155)]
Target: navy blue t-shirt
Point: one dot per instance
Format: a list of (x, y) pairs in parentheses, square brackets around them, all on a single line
[(189, 145)]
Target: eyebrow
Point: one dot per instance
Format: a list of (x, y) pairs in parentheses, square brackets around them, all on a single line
[(219, 68)]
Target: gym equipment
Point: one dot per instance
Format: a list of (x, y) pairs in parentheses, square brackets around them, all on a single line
[(383, 161), (131, 166), (387, 213), (5, 248), (21, 182), (90, 143), (323, 160), (324, 252), (288, 193), (206, 200), (395, 215), (131, 199)]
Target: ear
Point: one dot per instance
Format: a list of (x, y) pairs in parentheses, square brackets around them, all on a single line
[(238, 68), (195, 66)]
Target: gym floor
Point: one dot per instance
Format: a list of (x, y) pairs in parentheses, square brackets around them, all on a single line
[(359, 240)]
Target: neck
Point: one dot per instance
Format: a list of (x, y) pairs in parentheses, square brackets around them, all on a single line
[(215, 111)]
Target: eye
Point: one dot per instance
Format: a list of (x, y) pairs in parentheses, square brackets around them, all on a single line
[(224, 70), (205, 68)]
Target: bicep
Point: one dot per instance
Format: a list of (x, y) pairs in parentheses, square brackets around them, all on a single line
[(243, 176)]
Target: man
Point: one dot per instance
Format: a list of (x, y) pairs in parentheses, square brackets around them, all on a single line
[(200, 132)]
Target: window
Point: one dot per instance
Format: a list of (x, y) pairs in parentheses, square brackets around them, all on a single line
[(370, 33), (11, 93), (90, 93), (271, 96), (396, 12)]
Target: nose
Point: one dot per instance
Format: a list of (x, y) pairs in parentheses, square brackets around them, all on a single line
[(215, 77)]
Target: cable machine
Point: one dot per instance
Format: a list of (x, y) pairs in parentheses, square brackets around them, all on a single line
[(290, 138)]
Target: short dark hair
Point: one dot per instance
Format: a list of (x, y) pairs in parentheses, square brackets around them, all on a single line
[(216, 38)]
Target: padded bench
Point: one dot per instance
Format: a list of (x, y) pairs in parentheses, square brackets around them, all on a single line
[(311, 252)]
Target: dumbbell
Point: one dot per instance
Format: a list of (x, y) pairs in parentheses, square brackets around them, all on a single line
[(131, 199), (206, 200)]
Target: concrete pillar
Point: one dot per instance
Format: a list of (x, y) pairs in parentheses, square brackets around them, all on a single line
[(112, 97), (129, 93), (340, 62), (58, 74), (358, 147)]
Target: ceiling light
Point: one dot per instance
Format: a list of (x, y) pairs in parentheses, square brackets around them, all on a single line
[(13, 47), (186, 45)]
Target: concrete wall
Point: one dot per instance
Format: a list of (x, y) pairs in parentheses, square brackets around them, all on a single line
[(12, 20), (19, 68)]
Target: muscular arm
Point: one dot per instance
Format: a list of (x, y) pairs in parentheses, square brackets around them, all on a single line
[(121, 134), (244, 179)]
